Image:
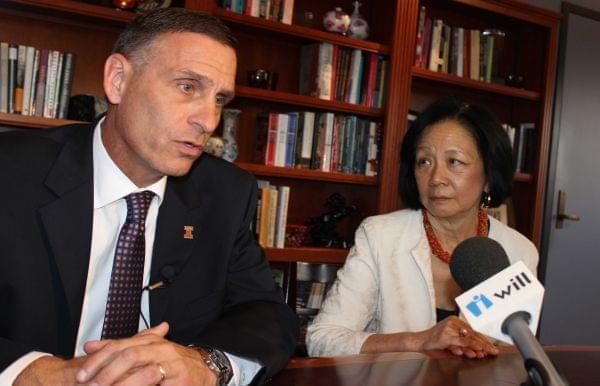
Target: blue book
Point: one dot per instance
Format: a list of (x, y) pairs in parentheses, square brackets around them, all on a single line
[(292, 130)]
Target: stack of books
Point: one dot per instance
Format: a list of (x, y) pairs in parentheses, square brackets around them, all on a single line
[(271, 214), (276, 10)]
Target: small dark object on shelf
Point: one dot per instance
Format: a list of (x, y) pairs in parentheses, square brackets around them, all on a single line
[(514, 80), (262, 79), (322, 228)]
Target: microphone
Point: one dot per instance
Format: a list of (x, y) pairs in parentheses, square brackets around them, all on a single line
[(502, 301), (168, 274)]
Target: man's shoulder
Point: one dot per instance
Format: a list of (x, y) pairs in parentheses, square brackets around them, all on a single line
[(209, 167)]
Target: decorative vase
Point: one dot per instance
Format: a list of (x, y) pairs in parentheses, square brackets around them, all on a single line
[(230, 125), (336, 21), (359, 28)]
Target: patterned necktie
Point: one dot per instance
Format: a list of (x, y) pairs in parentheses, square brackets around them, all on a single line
[(121, 319)]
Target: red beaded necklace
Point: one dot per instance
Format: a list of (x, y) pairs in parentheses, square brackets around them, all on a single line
[(434, 243)]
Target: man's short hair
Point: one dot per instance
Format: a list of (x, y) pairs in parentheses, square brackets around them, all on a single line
[(146, 27), (491, 139)]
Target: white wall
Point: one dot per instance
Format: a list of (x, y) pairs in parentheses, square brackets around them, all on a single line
[(554, 5)]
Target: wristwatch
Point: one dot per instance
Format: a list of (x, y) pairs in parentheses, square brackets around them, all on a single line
[(217, 362)]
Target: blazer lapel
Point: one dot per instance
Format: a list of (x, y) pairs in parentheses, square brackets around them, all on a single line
[(421, 254), (68, 220), (178, 227)]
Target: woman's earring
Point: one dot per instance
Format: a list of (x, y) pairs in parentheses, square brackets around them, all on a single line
[(486, 199)]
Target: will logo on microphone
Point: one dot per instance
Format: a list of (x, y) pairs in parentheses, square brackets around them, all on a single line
[(474, 306)]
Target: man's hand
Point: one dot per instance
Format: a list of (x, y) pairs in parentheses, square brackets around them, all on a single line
[(50, 371), (144, 359)]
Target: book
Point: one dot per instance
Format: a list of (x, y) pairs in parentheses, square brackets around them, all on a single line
[(305, 139), (12, 77), (3, 77), (66, 83), (287, 12), (282, 212), (20, 79), (28, 79)]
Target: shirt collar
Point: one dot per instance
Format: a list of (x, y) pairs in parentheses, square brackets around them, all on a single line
[(110, 183)]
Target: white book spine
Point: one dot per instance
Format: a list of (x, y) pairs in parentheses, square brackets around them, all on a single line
[(29, 61), (280, 148), (282, 211)]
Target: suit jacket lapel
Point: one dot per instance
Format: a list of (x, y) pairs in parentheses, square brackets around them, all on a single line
[(68, 220), (173, 244)]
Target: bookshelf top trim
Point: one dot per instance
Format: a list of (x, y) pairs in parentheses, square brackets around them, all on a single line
[(304, 33), (66, 8), (28, 122)]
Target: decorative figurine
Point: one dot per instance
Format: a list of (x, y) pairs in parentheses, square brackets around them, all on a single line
[(359, 28), (336, 21), (322, 228), (230, 124), (215, 146)]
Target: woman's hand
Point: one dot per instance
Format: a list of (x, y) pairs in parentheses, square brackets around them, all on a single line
[(456, 336)]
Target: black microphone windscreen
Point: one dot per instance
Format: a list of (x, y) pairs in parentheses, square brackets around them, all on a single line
[(475, 260), (168, 273)]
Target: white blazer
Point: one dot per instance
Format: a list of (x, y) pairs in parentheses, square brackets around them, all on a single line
[(386, 284)]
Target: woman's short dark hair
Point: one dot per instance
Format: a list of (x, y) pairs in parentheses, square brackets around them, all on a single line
[(142, 30), (492, 142)]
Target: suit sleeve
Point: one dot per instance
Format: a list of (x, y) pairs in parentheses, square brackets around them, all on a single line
[(256, 323)]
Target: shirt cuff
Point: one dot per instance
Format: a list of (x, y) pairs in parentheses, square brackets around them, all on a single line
[(244, 370), (8, 376)]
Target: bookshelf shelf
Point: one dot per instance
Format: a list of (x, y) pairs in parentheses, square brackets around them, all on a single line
[(307, 174), (523, 177), (308, 255), (307, 101), (27, 122), (303, 33), (75, 9), (421, 73)]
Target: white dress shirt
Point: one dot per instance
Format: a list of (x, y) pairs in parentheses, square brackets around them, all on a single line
[(111, 186)]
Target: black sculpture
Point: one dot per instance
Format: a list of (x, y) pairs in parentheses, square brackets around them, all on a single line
[(322, 228)]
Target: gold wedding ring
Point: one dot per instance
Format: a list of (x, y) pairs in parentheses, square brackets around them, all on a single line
[(463, 332), (163, 373)]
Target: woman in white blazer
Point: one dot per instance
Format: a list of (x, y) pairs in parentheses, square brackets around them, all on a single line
[(395, 291)]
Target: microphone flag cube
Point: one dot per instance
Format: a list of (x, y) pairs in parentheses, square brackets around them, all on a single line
[(489, 303)]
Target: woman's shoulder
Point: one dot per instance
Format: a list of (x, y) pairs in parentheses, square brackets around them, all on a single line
[(517, 246), (405, 218)]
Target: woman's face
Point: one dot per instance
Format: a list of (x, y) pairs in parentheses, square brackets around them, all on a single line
[(449, 171)]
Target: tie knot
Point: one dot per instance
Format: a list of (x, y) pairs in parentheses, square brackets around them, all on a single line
[(137, 206)]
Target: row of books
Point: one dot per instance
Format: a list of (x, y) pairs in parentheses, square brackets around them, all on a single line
[(523, 140), (271, 214), (467, 53), (323, 141), (277, 10), (35, 82), (331, 72)]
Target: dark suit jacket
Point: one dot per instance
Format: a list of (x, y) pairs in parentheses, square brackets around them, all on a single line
[(222, 296)]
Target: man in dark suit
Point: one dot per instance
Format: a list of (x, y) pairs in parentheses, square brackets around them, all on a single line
[(67, 193)]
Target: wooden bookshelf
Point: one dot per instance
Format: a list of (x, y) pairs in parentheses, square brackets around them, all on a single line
[(307, 174), (89, 31), (306, 101), (420, 73), (307, 255), (27, 122)]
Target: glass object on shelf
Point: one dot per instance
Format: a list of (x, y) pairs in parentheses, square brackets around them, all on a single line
[(297, 235), (359, 28), (125, 4), (336, 21), (230, 126)]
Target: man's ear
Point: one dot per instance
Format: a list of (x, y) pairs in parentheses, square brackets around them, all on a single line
[(116, 68)]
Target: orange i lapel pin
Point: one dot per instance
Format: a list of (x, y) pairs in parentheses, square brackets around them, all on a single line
[(188, 232)]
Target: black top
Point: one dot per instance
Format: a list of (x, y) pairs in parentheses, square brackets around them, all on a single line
[(442, 314)]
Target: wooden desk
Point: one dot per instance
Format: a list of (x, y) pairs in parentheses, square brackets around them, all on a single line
[(579, 365)]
